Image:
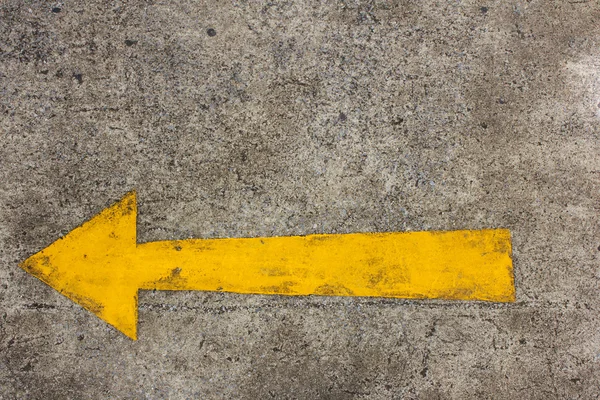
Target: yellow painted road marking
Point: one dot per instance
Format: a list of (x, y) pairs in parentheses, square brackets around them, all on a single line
[(101, 266)]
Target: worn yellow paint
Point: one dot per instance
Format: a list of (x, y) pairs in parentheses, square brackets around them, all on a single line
[(101, 266)]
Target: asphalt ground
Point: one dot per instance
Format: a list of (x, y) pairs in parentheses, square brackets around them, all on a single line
[(259, 119)]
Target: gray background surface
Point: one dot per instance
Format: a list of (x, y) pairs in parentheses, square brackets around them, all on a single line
[(298, 118)]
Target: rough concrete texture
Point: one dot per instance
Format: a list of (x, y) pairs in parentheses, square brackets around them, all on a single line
[(244, 118)]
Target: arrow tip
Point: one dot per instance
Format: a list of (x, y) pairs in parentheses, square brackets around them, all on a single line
[(93, 265)]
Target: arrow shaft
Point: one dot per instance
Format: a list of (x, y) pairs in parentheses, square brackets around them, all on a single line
[(453, 265)]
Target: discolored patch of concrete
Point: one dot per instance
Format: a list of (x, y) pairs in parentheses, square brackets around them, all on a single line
[(236, 119)]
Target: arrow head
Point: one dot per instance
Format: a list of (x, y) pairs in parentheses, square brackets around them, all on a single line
[(94, 265)]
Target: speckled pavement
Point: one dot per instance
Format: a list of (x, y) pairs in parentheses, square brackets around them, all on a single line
[(246, 119)]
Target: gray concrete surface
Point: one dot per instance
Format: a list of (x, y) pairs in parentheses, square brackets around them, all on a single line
[(244, 118)]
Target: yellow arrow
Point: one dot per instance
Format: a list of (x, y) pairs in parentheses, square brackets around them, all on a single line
[(101, 266)]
